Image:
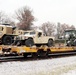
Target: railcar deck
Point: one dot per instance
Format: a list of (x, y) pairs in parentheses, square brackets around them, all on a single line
[(39, 51)]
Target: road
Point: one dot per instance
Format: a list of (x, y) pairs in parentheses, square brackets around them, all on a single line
[(53, 66)]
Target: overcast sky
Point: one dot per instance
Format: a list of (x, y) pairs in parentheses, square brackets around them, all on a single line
[(63, 11)]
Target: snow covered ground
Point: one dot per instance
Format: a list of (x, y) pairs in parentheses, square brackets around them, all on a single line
[(55, 66)]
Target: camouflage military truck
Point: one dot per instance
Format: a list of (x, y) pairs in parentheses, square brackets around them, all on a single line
[(32, 37), (6, 34)]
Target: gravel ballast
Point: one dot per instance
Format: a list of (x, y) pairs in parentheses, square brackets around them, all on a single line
[(56, 66)]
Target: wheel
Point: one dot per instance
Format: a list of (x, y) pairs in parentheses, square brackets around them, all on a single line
[(50, 43), (29, 42), (25, 55), (41, 53), (7, 40), (34, 55)]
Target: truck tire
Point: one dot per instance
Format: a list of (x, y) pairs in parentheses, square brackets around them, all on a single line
[(29, 42), (50, 43), (7, 40)]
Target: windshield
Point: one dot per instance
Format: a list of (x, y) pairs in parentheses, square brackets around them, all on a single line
[(68, 33), (32, 33), (26, 32)]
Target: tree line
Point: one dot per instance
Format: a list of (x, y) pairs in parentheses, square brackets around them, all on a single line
[(25, 19)]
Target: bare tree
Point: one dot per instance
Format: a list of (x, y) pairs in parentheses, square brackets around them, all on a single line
[(1, 16), (62, 27), (72, 27), (25, 18), (48, 28), (4, 19)]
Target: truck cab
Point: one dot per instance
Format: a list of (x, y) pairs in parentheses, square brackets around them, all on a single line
[(6, 34)]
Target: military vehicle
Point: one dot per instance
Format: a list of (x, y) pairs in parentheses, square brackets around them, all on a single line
[(70, 37), (6, 34), (32, 37)]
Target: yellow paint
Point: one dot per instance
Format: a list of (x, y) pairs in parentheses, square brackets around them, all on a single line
[(22, 49), (55, 49), (0, 47)]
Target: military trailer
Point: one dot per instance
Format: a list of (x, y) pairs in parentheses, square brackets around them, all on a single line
[(6, 34), (32, 37)]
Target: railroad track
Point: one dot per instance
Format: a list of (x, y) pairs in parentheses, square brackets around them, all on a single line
[(19, 58), (29, 58), (10, 58)]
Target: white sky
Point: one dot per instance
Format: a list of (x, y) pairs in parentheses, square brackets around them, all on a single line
[(63, 11)]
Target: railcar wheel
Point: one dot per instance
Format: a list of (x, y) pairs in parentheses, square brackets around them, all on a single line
[(25, 55), (29, 42), (7, 40), (34, 55), (41, 53), (50, 43)]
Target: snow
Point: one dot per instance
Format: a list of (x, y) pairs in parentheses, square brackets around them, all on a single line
[(55, 66), (73, 72)]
